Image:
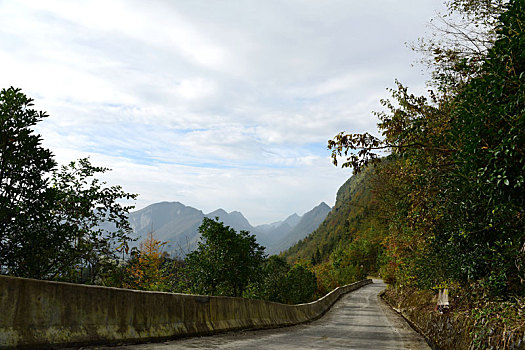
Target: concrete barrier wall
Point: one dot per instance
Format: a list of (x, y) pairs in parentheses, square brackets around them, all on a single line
[(37, 313)]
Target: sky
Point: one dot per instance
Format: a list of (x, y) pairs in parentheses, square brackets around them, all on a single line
[(215, 104)]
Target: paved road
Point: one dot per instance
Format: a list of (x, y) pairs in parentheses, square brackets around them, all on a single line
[(359, 320)]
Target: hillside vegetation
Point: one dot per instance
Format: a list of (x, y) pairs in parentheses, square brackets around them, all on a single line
[(347, 246), (446, 210)]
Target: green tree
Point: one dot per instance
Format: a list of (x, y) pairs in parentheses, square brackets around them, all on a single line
[(25, 195), (300, 284), (272, 285), (94, 217), (50, 220), (317, 258), (225, 261), (283, 283)]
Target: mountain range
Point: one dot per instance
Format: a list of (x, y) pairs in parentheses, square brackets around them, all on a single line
[(178, 224)]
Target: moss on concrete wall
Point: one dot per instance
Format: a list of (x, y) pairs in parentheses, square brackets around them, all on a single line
[(41, 313)]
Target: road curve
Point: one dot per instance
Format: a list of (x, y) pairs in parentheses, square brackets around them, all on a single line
[(359, 320)]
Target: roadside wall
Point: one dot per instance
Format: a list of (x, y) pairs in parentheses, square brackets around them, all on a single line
[(37, 313)]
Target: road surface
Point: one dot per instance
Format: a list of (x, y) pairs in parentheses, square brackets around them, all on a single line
[(359, 320)]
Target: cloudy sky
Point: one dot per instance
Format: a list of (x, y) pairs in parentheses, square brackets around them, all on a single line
[(211, 103)]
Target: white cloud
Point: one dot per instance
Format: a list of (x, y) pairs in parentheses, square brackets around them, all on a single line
[(215, 104), (261, 194), (346, 82), (196, 88)]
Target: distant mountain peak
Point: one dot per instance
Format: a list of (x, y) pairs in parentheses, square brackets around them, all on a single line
[(303, 227), (236, 213), (169, 203), (217, 212), (292, 220), (234, 219)]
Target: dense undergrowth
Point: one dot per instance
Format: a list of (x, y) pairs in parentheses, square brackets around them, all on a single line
[(473, 322)]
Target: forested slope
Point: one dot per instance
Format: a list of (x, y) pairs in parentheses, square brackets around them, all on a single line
[(347, 245), (451, 198), (346, 218)]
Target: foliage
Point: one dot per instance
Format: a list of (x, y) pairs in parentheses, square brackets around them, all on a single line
[(487, 125), (496, 322), (173, 270), (283, 283), (25, 195), (84, 205), (344, 266), (50, 220), (225, 261), (272, 286), (453, 186), (300, 284), (144, 270), (347, 246), (326, 281)]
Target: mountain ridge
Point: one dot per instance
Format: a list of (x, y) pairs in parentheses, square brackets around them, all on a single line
[(308, 223), (178, 224)]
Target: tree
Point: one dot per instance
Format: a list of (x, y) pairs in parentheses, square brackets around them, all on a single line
[(300, 284), (272, 286), (462, 38), (94, 217), (145, 269), (51, 220), (316, 258), (225, 261), (25, 195)]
